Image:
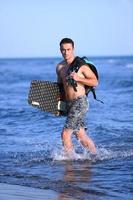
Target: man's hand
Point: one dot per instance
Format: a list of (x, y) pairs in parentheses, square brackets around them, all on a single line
[(75, 76)]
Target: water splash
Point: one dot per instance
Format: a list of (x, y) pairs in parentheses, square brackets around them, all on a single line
[(48, 154), (101, 155)]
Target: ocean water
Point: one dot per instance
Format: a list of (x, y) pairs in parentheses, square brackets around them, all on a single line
[(31, 151)]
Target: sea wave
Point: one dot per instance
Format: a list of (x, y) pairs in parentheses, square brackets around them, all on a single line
[(49, 155), (129, 65)]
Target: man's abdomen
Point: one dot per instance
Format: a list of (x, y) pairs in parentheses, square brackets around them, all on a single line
[(71, 94)]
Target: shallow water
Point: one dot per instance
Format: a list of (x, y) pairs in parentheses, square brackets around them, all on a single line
[(31, 152)]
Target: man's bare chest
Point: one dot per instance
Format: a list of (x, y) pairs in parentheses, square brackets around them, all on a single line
[(64, 72)]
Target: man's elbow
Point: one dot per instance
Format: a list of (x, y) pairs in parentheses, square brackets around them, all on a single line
[(96, 83)]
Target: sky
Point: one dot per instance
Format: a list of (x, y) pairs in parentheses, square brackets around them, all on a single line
[(34, 28)]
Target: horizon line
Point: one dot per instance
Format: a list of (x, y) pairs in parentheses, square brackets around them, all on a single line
[(43, 57)]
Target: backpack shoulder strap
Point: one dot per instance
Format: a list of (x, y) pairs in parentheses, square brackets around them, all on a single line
[(76, 64)]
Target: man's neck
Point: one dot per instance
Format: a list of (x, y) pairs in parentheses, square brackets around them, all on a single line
[(69, 61)]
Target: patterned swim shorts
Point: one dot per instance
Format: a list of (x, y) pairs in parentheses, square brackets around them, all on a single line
[(76, 110)]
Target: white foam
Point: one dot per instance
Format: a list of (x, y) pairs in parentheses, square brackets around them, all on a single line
[(129, 65), (61, 156), (102, 154)]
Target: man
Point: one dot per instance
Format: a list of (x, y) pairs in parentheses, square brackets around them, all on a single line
[(77, 104)]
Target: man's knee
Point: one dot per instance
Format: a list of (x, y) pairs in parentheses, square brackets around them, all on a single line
[(81, 135), (66, 134)]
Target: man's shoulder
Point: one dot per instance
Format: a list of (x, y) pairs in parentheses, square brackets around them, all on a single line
[(84, 67), (60, 65)]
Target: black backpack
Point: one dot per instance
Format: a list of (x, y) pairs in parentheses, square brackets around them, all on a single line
[(74, 67)]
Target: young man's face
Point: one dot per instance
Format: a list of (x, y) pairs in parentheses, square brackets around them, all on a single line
[(67, 50)]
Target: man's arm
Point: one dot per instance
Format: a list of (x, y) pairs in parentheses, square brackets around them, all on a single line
[(89, 77), (59, 80), (58, 74)]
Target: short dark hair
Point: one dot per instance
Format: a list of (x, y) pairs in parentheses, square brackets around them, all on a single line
[(67, 40)]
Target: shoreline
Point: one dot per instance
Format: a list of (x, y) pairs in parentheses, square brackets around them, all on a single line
[(17, 192)]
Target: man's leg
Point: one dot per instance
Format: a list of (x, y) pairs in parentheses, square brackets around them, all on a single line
[(86, 141), (66, 140)]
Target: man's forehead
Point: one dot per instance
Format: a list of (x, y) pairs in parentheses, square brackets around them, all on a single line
[(66, 45)]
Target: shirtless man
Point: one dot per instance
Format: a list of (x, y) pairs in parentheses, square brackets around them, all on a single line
[(77, 104)]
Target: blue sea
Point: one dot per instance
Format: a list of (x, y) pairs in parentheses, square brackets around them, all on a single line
[(31, 152)]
